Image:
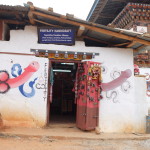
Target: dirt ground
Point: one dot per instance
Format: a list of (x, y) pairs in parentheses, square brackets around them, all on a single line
[(62, 137), (17, 143)]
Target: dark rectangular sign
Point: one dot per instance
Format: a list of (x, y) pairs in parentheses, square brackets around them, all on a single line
[(56, 36)]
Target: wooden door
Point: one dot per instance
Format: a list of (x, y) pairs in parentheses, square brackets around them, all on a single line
[(88, 80)]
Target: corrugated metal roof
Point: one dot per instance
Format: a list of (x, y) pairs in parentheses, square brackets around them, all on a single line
[(14, 15), (14, 8)]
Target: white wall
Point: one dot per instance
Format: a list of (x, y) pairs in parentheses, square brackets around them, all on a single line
[(141, 104), (146, 72), (117, 109), (17, 109)]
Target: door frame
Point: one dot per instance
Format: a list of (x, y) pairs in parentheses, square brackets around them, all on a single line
[(48, 90)]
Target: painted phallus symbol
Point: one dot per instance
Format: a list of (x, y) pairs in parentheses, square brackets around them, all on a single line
[(6, 83), (4, 76), (118, 81)]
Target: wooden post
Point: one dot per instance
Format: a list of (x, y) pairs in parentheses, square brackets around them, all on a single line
[(1, 30), (148, 28), (148, 58)]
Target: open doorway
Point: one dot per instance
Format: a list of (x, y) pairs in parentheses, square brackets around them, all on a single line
[(63, 107)]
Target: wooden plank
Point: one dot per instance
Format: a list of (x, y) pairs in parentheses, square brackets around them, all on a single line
[(1, 29), (13, 12), (135, 51), (14, 22), (31, 17), (121, 44), (80, 31), (131, 44), (97, 29), (119, 1), (46, 23), (97, 40), (129, 25)]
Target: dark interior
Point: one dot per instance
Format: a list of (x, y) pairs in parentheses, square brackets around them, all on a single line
[(63, 108)]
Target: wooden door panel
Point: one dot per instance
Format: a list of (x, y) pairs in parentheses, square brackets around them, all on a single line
[(81, 119), (92, 118), (88, 95)]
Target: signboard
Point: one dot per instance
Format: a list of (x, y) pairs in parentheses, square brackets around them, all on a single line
[(63, 36)]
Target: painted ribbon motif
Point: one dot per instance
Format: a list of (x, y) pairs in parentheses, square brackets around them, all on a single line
[(6, 83), (112, 95)]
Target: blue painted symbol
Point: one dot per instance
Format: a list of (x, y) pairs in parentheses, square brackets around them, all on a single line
[(16, 70)]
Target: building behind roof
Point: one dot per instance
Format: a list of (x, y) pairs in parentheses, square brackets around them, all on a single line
[(129, 15)]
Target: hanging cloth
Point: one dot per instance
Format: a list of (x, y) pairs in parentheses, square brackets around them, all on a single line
[(51, 84)]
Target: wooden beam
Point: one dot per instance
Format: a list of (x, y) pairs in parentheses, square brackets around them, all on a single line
[(131, 44), (18, 17), (110, 41), (14, 22), (13, 12), (31, 5), (135, 51), (50, 9), (97, 40), (31, 17), (119, 1), (121, 44), (90, 27), (129, 25), (81, 38), (46, 23), (80, 31)]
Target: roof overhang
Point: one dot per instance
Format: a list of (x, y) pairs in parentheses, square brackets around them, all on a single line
[(110, 37), (105, 11)]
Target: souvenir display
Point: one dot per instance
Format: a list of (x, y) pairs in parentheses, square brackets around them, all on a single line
[(88, 94), (88, 83)]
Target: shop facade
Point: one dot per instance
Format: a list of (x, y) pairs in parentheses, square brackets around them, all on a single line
[(60, 69), (28, 104)]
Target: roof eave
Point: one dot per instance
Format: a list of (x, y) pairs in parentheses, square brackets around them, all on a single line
[(92, 9)]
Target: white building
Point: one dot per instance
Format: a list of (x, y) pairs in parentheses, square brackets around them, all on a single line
[(25, 98)]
